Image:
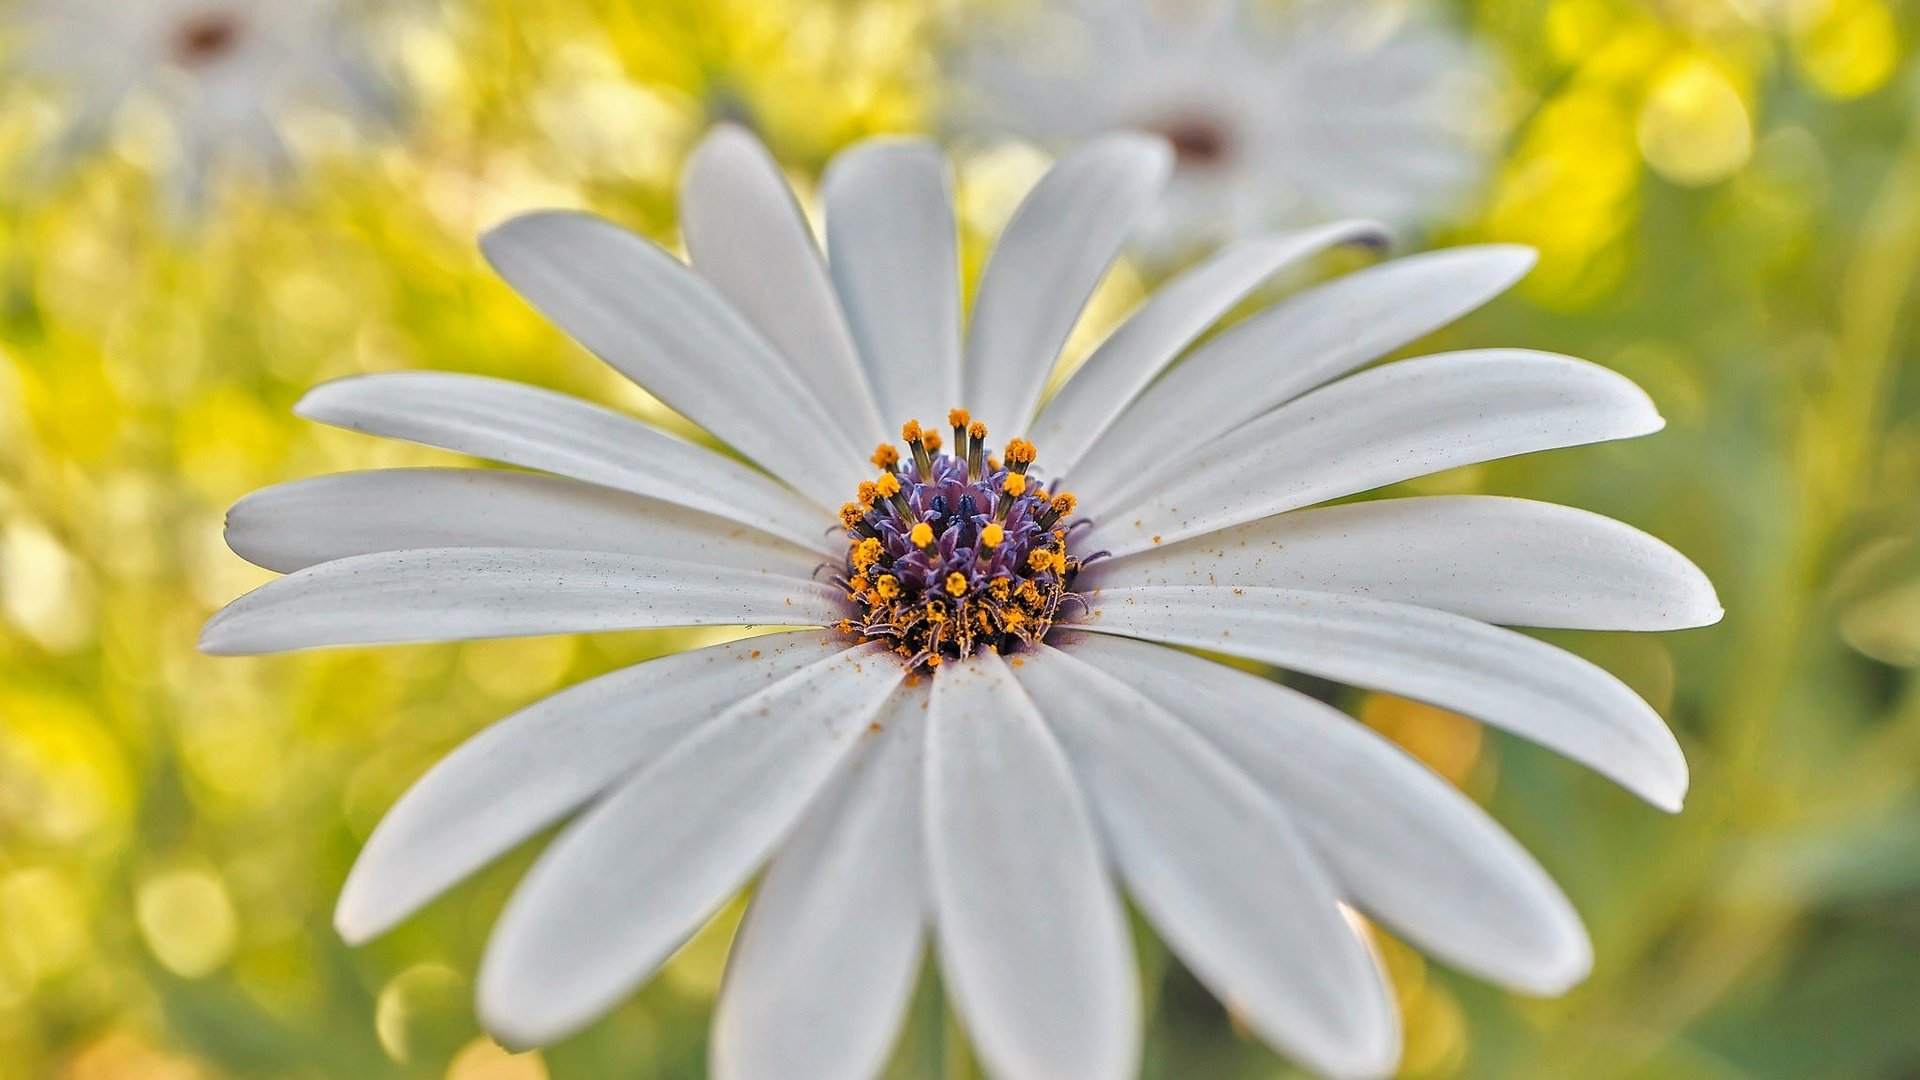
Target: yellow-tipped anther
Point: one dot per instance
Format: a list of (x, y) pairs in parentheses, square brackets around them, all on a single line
[(1015, 485), (992, 535), (866, 553), (869, 493), (1064, 503), (885, 456), (976, 431), (931, 440), (922, 535), (910, 431), (956, 584), (1043, 560), (1020, 453), (888, 485), (859, 583), (851, 514), (958, 418), (999, 588), (887, 586)]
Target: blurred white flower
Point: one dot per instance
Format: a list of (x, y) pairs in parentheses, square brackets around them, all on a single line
[(225, 76), (1279, 114), (988, 728)]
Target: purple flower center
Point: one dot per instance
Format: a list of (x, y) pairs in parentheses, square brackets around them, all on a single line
[(951, 553)]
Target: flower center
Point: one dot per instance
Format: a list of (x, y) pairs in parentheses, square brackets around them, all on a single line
[(205, 37), (1198, 140), (951, 553)]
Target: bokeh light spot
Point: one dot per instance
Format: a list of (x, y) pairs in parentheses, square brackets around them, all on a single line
[(1694, 128), (187, 920)]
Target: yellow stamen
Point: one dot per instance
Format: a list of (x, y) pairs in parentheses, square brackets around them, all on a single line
[(992, 535), (957, 584), (887, 586), (922, 535), (866, 553), (885, 456), (1020, 454), (1015, 485), (851, 515), (977, 431), (958, 418), (1042, 560), (931, 441), (910, 431), (1064, 503), (888, 485)]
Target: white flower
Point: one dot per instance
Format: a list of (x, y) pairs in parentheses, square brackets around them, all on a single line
[(977, 774), (1346, 108), (224, 74)]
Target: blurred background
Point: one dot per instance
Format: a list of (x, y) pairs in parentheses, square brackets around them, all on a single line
[(1726, 198)]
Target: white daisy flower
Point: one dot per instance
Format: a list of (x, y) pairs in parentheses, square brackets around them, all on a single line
[(986, 736), (224, 74), (1278, 115)]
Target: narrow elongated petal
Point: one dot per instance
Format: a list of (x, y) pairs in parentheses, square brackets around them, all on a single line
[(542, 763), (895, 259), (295, 525), (638, 873), (1165, 324), (523, 425), (1380, 427), (1289, 349), (1404, 846), (1507, 679), (823, 966), (745, 233), (1499, 560), (1053, 253), (459, 594), (649, 315), (1031, 938), (1222, 871)]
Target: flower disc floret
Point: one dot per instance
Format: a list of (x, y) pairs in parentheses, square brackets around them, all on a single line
[(951, 553)]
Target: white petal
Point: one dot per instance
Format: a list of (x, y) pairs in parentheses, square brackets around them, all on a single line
[(295, 525), (1403, 845), (1164, 325), (1499, 560), (1380, 427), (646, 313), (892, 248), (1053, 253), (458, 594), (638, 873), (1287, 350), (1222, 872), (538, 429), (745, 233), (1507, 679), (1031, 938), (823, 966), (545, 761)]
